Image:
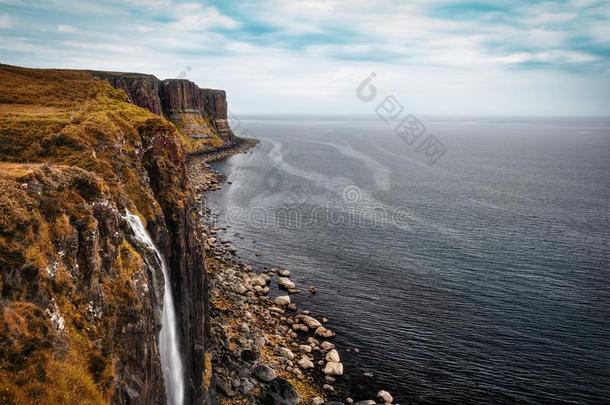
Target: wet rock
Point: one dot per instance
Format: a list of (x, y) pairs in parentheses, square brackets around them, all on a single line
[(385, 397), (264, 373), (300, 327), (333, 368), (259, 281), (323, 332), (327, 346), (333, 356), (311, 322), (312, 289), (328, 387), (283, 272), (313, 341), (280, 392), (285, 283), (282, 300)]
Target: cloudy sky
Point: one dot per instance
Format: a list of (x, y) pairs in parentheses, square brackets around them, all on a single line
[(273, 56)]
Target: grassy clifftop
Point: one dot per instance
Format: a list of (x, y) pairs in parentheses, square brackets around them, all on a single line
[(78, 305)]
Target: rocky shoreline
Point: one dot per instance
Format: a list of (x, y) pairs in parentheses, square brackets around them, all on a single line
[(262, 350)]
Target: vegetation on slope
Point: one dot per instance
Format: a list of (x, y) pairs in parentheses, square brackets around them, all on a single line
[(73, 155)]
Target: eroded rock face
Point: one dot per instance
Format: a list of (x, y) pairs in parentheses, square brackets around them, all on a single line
[(79, 303), (142, 90), (199, 113)]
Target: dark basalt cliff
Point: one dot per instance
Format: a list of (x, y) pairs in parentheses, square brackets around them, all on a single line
[(80, 306), (200, 114)]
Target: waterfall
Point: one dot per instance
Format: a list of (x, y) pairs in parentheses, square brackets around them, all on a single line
[(171, 361)]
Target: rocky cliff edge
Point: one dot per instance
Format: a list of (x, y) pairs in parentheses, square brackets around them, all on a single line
[(79, 305)]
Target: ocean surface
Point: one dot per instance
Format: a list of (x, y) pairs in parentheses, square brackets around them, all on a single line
[(481, 278)]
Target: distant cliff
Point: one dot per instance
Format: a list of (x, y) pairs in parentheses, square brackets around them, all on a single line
[(80, 299), (200, 114)]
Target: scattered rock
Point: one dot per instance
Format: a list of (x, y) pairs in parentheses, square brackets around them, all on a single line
[(305, 363), (286, 283), (323, 332), (311, 322), (385, 397), (333, 368), (333, 356), (305, 348), (300, 327), (259, 280), (312, 289), (280, 392), (282, 300), (264, 373), (287, 353), (317, 401), (250, 356), (224, 387), (284, 272), (327, 346)]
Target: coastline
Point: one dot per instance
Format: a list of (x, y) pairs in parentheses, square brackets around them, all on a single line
[(262, 350)]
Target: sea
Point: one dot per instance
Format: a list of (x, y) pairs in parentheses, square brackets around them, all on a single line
[(460, 260)]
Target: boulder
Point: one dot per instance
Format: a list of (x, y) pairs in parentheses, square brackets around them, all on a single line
[(287, 353), (385, 397), (327, 346), (305, 363), (284, 272), (311, 322), (323, 332), (280, 392), (282, 300), (333, 368), (286, 283), (264, 373), (333, 356)]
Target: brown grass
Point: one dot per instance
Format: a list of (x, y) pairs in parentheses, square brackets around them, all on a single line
[(67, 141)]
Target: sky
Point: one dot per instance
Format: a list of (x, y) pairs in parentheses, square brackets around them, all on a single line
[(309, 57)]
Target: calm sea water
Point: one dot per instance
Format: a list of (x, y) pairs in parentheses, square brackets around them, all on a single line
[(480, 279)]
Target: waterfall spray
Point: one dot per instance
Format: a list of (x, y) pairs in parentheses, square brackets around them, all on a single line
[(171, 361)]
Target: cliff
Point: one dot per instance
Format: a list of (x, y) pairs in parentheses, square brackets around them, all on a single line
[(80, 305), (199, 114)]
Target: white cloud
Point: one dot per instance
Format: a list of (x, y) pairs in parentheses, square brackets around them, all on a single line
[(192, 16), (5, 21), (66, 28), (144, 28)]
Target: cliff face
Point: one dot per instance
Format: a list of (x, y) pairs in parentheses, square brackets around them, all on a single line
[(80, 307), (199, 114)]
